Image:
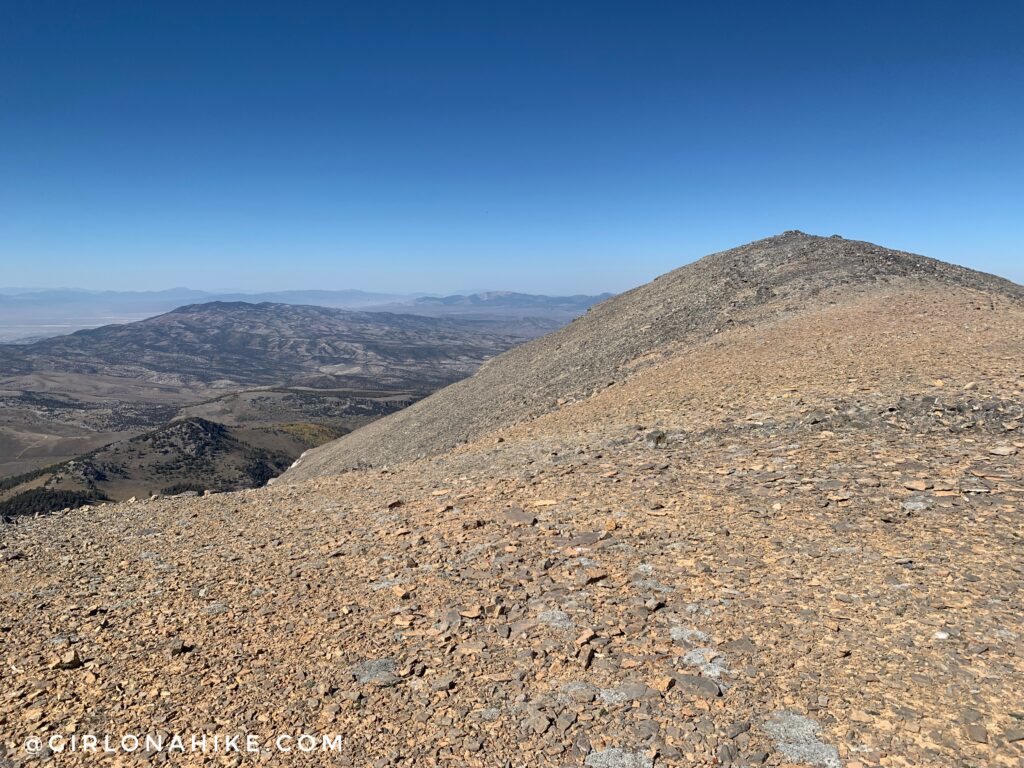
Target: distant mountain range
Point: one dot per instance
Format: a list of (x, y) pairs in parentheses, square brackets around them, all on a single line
[(253, 368), (508, 301), (67, 395), (238, 343), (511, 299), (29, 315)]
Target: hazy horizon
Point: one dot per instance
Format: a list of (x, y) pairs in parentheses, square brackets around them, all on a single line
[(1011, 270), (29, 290)]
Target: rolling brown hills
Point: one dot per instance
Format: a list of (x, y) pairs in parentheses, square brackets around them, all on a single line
[(225, 343), (257, 364), (763, 511)]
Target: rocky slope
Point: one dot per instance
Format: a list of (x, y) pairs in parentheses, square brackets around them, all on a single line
[(792, 542), (740, 287)]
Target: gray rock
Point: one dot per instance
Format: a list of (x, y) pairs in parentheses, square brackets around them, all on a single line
[(707, 660), (796, 737), (698, 686), (443, 683), (736, 729), (70, 660), (379, 672), (688, 635), (618, 758), (726, 754), (741, 645), (538, 722), (519, 517), (977, 732), (555, 618), (916, 504), (176, 647), (612, 696), (579, 691), (628, 691), (971, 716), (655, 439)]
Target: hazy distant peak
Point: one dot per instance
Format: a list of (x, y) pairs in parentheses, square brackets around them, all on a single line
[(511, 299)]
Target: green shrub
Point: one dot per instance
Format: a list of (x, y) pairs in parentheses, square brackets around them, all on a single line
[(42, 500)]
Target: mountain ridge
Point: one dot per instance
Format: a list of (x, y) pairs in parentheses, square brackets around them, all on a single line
[(68, 395), (221, 337), (743, 285)]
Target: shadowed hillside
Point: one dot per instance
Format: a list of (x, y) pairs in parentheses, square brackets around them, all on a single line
[(188, 455)]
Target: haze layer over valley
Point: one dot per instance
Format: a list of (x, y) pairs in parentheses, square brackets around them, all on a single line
[(30, 315)]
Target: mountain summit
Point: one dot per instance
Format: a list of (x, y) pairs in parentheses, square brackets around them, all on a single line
[(764, 511), (745, 286)]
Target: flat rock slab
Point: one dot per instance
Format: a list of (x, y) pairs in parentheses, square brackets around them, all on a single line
[(518, 516), (696, 685), (618, 758), (379, 672), (797, 737)]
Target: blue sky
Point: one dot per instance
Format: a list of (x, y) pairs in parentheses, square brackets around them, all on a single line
[(541, 146)]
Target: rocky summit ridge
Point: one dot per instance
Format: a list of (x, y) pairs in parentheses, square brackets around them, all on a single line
[(743, 286), (763, 511)]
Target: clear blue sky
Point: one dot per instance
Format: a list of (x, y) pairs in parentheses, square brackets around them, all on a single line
[(543, 146)]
